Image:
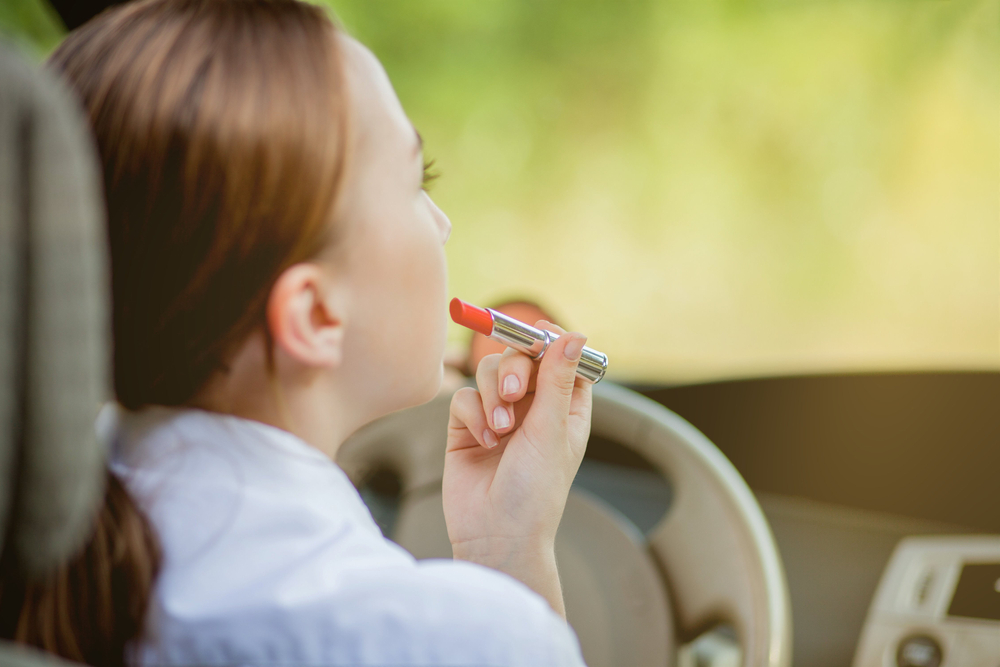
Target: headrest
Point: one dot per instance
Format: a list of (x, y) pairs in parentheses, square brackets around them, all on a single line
[(54, 332)]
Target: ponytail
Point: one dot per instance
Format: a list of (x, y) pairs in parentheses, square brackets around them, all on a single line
[(90, 608)]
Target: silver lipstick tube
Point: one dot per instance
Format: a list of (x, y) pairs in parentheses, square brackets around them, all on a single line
[(533, 342)]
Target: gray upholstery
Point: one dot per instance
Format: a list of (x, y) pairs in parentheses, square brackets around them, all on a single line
[(13, 655), (53, 327), (54, 332)]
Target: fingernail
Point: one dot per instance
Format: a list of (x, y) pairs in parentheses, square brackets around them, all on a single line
[(574, 348), (510, 385), (500, 417), (490, 438)]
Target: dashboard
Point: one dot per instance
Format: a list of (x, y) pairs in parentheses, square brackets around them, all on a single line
[(938, 605), (850, 469), (861, 478)]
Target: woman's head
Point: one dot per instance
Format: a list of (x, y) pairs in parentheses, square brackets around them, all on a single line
[(262, 181)]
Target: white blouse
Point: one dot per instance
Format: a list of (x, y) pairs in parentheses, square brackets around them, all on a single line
[(272, 558)]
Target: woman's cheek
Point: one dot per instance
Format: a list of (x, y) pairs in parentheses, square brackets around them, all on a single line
[(435, 316)]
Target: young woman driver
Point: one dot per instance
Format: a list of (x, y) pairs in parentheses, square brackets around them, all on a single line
[(278, 282)]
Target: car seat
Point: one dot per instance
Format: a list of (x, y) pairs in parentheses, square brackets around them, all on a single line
[(54, 330)]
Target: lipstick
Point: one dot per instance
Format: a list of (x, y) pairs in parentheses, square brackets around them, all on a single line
[(523, 337)]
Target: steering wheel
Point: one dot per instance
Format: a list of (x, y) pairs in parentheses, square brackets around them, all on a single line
[(710, 560)]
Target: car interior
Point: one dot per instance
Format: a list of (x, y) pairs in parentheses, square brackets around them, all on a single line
[(798, 443), (819, 520)]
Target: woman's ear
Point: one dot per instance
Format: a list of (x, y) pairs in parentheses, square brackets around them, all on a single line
[(306, 316)]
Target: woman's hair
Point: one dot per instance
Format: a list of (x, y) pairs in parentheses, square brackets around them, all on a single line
[(87, 610), (221, 127)]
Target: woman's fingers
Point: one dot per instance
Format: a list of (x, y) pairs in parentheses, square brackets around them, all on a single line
[(506, 379), (499, 413), (514, 375), (548, 326), (557, 379), (467, 413)]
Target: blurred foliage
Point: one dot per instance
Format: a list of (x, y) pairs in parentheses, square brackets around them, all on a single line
[(32, 26), (711, 188)]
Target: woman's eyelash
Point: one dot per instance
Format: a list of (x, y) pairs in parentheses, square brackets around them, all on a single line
[(429, 174)]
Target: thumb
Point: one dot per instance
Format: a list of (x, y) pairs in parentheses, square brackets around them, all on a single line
[(557, 377)]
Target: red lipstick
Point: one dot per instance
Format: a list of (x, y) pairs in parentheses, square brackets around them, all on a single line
[(477, 319), (523, 337)]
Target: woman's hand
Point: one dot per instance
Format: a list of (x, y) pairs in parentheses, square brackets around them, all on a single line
[(513, 450)]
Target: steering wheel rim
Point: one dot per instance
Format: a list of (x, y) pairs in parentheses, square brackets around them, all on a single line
[(736, 575), (713, 550)]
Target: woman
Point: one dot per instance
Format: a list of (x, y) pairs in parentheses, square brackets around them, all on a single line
[(278, 282)]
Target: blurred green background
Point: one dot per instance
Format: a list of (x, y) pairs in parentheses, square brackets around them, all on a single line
[(709, 188)]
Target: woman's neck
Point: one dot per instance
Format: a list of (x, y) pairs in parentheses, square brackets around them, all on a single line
[(302, 402)]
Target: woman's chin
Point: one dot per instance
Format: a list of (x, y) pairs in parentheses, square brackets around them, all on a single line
[(434, 385), (427, 390)]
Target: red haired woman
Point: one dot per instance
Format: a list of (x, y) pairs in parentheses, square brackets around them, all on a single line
[(278, 282)]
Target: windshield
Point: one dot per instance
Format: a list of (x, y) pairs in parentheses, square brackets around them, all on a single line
[(730, 189), (709, 188)]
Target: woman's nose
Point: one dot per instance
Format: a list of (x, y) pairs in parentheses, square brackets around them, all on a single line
[(443, 223)]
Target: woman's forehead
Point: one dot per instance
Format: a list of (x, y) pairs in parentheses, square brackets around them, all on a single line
[(378, 114)]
